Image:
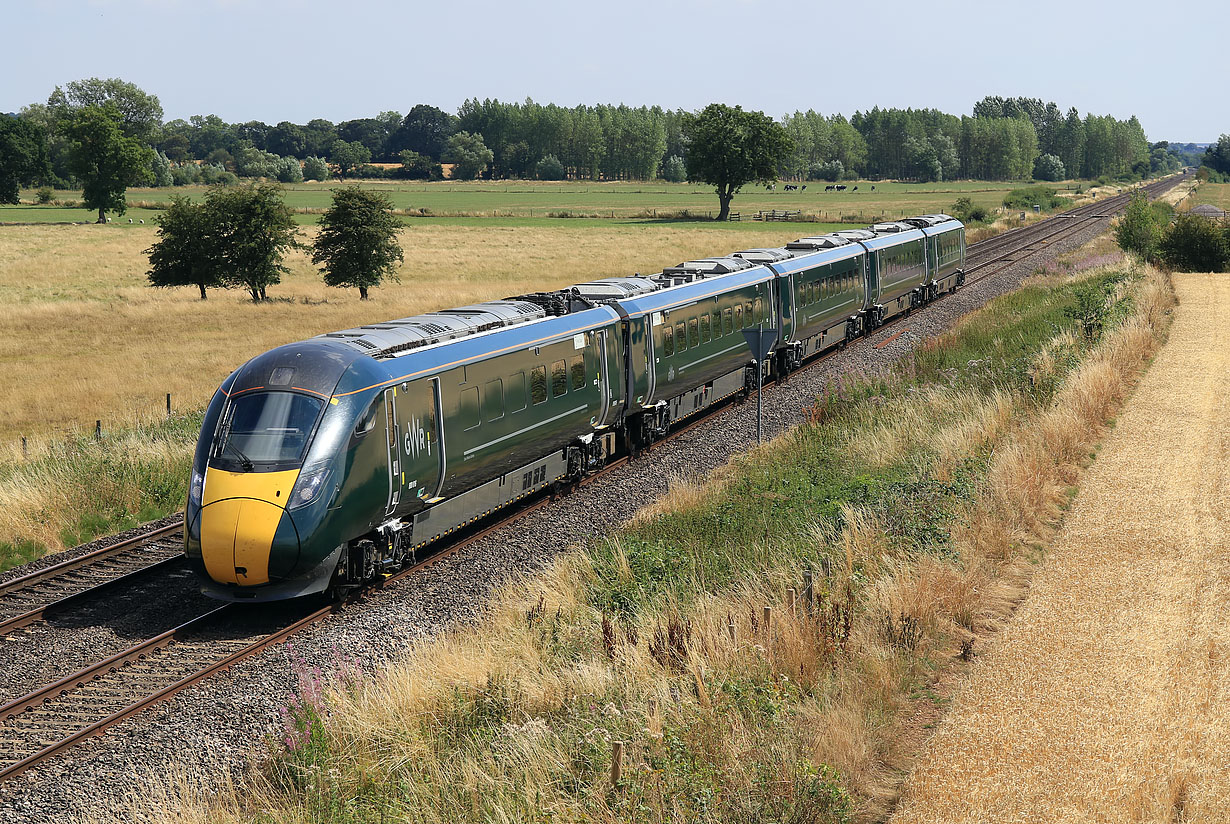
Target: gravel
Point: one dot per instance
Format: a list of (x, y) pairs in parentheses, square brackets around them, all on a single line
[(210, 732)]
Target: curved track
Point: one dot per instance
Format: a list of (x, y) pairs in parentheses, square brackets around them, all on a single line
[(52, 718)]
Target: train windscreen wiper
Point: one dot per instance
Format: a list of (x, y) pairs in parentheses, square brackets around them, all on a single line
[(244, 460)]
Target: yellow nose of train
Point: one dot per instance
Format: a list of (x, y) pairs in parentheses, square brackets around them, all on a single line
[(240, 513)]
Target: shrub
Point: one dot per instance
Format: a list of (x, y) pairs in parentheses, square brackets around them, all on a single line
[(1195, 244), (417, 166), (43, 195), (1049, 167), (315, 168), (1031, 196), (212, 174), (549, 168), (185, 174), (966, 211), (288, 170), (1139, 230), (674, 169), (830, 170)]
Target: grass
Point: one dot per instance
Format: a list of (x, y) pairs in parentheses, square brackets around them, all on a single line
[(83, 338), (914, 496), (605, 200), (1218, 194)]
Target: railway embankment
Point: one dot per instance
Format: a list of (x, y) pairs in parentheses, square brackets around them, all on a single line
[(1105, 699), (773, 640)]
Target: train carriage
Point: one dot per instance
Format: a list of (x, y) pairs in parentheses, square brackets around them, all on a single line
[(823, 291)]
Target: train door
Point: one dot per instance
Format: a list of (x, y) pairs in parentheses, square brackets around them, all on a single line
[(416, 447), (604, 378)]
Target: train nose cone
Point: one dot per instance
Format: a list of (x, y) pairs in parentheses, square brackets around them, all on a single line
[(240, 515)]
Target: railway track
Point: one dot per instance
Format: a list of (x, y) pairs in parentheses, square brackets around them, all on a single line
[(53, 718)]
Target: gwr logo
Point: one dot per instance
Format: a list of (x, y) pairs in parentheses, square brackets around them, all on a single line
[(418, 439)]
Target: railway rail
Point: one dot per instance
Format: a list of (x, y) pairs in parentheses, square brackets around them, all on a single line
[(52, 718)]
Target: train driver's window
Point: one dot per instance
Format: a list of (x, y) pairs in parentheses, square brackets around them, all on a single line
[(668, 341), (515, 389), (559, 378), (576, 368), (538, 384)]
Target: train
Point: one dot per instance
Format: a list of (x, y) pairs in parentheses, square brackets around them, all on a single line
[(326, 464)]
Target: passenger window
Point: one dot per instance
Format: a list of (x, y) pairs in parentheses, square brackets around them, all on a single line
[(802, 293), (668, 342), (728, 324), (747, 313), (759, 310), (681, 341), (559, 378), (739, 316), (706, 333), (693, 333), (538, 384), (467, 412), (577, 367), (493, 400), (516, 392)]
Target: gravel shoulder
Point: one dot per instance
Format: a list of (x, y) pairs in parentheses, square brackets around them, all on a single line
[(208, 733), (1107, 698)]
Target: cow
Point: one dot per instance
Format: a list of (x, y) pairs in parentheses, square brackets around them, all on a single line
[(841, 188), (855, 189), (829, 188)]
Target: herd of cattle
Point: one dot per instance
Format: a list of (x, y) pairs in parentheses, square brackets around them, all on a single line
[(791, 187)]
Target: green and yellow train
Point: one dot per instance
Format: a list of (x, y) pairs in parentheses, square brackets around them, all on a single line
[(326, 463)]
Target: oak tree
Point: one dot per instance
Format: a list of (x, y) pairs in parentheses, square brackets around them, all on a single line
[(104, 159), (185, 253), (728, 148), (357, 243)]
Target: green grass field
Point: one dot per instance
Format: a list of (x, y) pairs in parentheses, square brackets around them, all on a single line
[(1217, 194), (605, 201)]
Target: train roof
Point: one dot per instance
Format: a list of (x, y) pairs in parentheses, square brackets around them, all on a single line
[(887, 239), (764, 255), (821, 256), (391, 338), (699, 289)]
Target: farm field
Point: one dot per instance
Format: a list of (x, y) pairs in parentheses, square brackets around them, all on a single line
[(83, 338), (1217, 194), (606, 200), (1105, 699)]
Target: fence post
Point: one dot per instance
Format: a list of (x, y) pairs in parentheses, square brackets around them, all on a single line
[(98, 430), (617, 761), (792, 597), (168, 404), (25, 449), (808, 588)]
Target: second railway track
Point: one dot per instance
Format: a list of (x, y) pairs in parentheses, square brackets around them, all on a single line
[(52, 718)]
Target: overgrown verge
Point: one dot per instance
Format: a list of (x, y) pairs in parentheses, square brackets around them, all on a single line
[(76, 490), (681, 669)]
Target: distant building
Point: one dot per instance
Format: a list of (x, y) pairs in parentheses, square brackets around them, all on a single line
[(1208, 210)]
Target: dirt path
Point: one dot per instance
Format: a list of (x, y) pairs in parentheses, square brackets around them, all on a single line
[(1108, 696)]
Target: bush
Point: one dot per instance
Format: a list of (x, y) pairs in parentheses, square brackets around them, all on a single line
[(1195, 244), (415, 166), (549, 168), (186, 174), (212, 174), (315, 168), (967, 212), (288, 170), (1031, 196), (1049, 167), (830, 170), (367, 171), (1139, 230), (674, 169), (43, 195)]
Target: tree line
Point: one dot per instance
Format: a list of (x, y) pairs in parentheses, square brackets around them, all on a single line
[(1182, 241), (1002, 139)]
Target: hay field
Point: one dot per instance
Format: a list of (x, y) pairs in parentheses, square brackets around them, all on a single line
[(1217, 194), (83, 338), (1107, 697)]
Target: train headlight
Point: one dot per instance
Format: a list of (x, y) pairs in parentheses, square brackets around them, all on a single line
[(195, 487), (310, 486)]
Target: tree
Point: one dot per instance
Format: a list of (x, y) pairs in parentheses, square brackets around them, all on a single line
[(549, 168), (288, 170), (357, 243), (287, 139), (23, 156), (468, 154), (1049, 167), (348, 156), (1194, 244), (424, 130), (140, 113), (728, 148), (1139, 231), (674, 169), (315, 168), (251, 228), (1217, 156), (185, 253), (104, 159), (417, 166)]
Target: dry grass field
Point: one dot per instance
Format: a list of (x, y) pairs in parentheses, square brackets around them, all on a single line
[(1217, 194), (83, 338), (1106, 698)]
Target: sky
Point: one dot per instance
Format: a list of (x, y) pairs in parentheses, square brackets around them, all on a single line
[(275, 60)]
